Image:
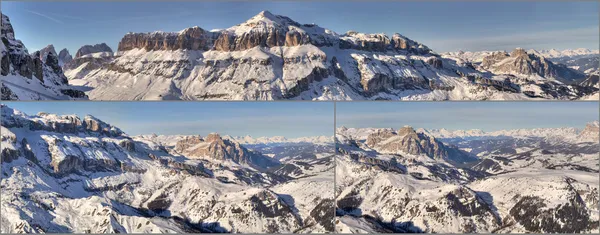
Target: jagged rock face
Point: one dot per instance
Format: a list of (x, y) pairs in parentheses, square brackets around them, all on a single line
[(217, 148), (194, 38), (89, 49), (271, 38), (96, 125), (400, 42), (47, 50), (15, 59), (367, 42), (267, 30), (519, 62), (64, 56), (58, 123), (53, 62), (42, 66), (407, 140)]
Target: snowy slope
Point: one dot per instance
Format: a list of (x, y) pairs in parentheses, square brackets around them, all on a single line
[(272, 57), (63, 173), (523, 181)]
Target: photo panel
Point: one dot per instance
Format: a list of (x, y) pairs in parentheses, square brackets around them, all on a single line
[(167, 167), (300, 50), (467, 167)]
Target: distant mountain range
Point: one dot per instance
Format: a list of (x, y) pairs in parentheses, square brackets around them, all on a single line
[(467, 181), (52, 164), (272, 57)]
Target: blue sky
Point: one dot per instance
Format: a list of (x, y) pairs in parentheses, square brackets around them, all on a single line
[(443, 26), (487, 116), (289, 119)]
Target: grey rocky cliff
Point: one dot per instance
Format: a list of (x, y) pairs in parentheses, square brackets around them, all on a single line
[(267, 30), (194, 38), (64, 56), (520, 62), (44, 66), (215, 147), (90, 49), (407, 140)]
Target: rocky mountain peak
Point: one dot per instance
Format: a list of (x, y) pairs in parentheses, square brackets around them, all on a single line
[(214, 137), (49, 49), (519, 62), (7, 29), (90, 49), (407, 140), (267, 18), (96, 125), (406, 130), (215, 147), (64, 56)]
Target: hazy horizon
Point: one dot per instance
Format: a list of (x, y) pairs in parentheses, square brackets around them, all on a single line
[(486, 116), (258, 119), (443, 26)]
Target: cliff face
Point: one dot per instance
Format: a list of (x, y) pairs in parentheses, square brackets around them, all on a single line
[(37, 75), (520, 62), (216, 148), (194, 38), (407, 140), (267, 30), (90, 49)]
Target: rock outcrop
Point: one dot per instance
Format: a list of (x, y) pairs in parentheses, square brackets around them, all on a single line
[(213, 146), (407, 140), (518, 62), (194, 38), (90, 49), (267, 30), (64, 56), (41, 67), (47, 50)]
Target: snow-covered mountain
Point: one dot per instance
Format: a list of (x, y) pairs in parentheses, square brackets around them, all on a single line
[(567, 66), (38, 76), (63, 173), (521, 63), (63, 56), (271, 57), (280, 139), (88, 59), (553, 53), (522, 182)]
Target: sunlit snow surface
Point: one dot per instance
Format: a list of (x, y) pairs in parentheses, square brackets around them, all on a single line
[(551, 171), (60, 176)]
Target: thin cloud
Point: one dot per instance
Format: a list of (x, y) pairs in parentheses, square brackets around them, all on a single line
[(68, 16), (45, 16)]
